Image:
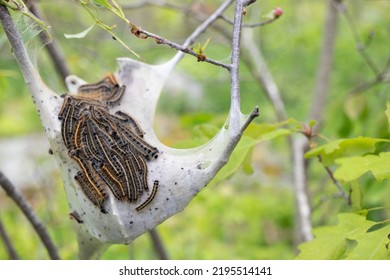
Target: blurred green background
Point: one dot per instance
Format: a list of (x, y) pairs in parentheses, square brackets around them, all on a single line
[(250, 215)]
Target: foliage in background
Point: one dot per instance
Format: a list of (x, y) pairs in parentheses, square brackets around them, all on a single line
[(247, 211), (355, 236)]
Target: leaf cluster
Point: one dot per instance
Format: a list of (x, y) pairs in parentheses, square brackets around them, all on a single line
[(355, 236)]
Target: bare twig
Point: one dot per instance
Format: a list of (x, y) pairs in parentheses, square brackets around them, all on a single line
[(13, 255), (158, 244), (22, 203), (326, 198), (381, 76), (381, 79), (346, 197), (182, 48), (251, 25), (197, 32), (360, 46), (248, 2), (254, 114), (369, 84)]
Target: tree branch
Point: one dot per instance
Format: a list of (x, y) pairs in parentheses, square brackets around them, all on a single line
[(22, 203), (260, 71), (325, 64), (17, 44), (235, 66), (302, 200), (13, 255), (252, 25), (381, 76), (381, 79), (360, 46), (346, 197), (183, 48), (158, 244), (190, 40)]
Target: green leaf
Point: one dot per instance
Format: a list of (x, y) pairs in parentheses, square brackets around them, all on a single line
[(356, 196), (370, 245), (344, 148), (102, 3), (348, 239), (352, 168), (79, 35), (268, 131), (330, 241), (312, 123)]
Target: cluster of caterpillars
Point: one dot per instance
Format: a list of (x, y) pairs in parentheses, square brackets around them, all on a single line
[(109, 148)]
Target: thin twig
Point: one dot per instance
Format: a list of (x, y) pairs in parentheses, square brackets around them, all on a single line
[(360, 46), (248, 2), (346, 197), (163, 41), (158, 244), (251, 25), (185, 10), (381, 76), (22, 203), (13, 255), (254, 114), (185, 48), (381, 79), (326, 198)]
